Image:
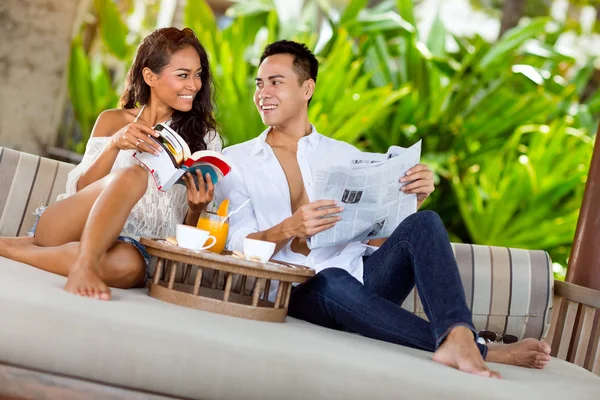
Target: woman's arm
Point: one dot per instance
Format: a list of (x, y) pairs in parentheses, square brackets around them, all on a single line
[(199, 198), (129, 137)]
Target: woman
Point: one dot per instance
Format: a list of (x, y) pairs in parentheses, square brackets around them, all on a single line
[(91, 234)]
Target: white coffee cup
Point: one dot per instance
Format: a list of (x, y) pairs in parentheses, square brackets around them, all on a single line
[(193, 238), (258, 248)]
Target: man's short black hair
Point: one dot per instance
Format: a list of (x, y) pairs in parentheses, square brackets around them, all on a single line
[(306, 65)]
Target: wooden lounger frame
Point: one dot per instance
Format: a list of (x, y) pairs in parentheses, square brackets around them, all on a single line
[(575, 329), (24, 383)]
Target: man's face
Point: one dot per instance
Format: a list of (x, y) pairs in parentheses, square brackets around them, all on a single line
[(279, 97)]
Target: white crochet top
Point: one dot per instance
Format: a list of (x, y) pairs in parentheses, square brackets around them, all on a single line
[(157, 213)]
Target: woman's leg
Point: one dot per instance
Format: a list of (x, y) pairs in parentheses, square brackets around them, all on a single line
[(122, 266), (64, 221), (106, 219), (94, 217)]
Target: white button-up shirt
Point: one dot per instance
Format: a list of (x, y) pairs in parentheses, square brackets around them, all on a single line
[(257, 175)]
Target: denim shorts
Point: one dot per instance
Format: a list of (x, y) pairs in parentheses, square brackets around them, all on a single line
[(126, 239)]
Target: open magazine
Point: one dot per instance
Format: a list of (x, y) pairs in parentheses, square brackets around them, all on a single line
[(168, 167), (369, 190)]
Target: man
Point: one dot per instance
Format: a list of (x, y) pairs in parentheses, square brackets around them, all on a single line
[(347, 293)]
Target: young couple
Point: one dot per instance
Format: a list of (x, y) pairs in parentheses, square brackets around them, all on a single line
[(91, 234)]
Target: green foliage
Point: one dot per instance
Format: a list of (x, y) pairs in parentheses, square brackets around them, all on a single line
[(91, 86), (527, 192), (112, 29), (503, 127), (90, 90)]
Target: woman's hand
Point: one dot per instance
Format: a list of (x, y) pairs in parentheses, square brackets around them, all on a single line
[(420, 182), (198, 197), (136, 136)]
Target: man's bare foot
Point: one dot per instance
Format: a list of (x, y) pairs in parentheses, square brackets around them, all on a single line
[(529, 353), (9, 243), (460, 351), (84, 281)]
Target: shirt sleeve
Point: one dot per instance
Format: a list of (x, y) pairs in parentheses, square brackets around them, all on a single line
[(94, 147), (243, 222)]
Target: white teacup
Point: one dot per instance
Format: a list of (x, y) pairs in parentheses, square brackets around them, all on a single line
[(258, 248), (193, 238)]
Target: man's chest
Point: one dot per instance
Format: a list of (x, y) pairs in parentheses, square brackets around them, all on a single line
[(288, 161)]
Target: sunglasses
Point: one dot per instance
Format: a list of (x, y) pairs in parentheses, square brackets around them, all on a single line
[(495, 337)]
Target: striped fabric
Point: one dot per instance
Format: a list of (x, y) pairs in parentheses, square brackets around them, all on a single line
[(508, 290), (27, 182)]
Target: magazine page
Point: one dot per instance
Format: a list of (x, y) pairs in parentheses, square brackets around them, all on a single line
[(368, 188), (172, 143), (160, 166)]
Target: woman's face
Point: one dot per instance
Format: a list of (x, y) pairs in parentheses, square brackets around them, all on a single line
[(180, 81)]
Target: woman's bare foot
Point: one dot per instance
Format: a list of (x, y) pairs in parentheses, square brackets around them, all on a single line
[(84, 281), (8, 243), (460, 351), (529, 353)]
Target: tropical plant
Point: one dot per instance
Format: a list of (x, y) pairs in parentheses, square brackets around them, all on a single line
[(345, 104), (527, 193), (503, 124), (470, 107), (92, 85)]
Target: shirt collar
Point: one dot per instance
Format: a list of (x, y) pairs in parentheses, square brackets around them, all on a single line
[(261, 141)]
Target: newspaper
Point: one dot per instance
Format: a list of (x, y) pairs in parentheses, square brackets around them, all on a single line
[(368, 188)]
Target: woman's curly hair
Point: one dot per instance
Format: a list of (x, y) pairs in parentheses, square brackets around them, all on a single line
[(155, 53)]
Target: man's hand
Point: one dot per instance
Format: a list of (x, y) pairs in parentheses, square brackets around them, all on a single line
[(420, 182), (313, 218)]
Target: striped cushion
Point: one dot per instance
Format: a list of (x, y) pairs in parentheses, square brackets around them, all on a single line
[(508, 290), (27, 182)]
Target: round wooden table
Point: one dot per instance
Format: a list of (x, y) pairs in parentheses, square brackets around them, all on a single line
[(224, 290)]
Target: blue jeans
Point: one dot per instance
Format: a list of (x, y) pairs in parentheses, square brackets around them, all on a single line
[(418, 252)]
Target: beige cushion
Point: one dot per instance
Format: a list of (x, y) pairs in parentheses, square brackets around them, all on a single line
[(140, 342), (508, 290)]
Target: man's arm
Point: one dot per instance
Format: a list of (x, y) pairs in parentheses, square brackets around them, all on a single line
[(307, 221), (419, 181)]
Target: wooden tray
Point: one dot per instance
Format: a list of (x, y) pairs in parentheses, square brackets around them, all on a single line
[(223, 298)]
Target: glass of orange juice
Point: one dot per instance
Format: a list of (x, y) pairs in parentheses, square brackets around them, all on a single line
[(218, 226)]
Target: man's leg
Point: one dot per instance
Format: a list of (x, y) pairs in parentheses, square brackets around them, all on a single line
[(335, 299), (373, 309), (419, 252)]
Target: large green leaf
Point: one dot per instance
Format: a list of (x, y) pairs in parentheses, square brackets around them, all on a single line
[(406, 10), (511, 41), (112, 28), (352, 9), (80, 87)]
